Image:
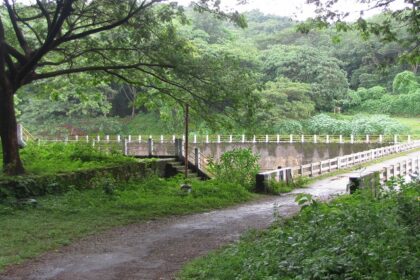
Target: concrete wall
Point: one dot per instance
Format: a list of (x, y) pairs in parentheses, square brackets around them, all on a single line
[(272, 154)]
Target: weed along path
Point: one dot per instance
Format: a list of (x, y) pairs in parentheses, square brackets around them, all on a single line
[(157, 249)]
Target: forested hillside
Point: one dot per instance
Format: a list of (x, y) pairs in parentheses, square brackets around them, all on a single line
[(265, 78)]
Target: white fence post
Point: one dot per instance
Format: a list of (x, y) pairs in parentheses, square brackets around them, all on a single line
[(327, 140), (291, 138), (173, 138), (341, 139), (161, 139), (243, 138), (218, 138), (107, 138), (315, 139), (77, 138), (352, 139), (266, 139), (87, 138), (207, 138), (98, 138), (125, 147), (230, 138), (395, 139), (150, 146), (367, 139), (118, 138), (197, 159), (381, 139), (302, 138), (409, 138), (195, 138), (254, 140), (140, 138), (129, 138)]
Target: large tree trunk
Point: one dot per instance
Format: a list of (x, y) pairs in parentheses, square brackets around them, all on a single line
[(12, 165)]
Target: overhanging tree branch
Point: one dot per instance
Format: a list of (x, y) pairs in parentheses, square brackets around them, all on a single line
[(95, 68)]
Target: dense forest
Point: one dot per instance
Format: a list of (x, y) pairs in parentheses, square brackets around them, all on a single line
[(268, 77)]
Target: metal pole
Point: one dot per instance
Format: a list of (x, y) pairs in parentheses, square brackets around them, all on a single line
[(186, 139)]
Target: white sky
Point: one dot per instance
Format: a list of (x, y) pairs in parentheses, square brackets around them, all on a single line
[(296, 8)]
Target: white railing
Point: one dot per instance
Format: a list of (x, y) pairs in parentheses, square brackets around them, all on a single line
[(402, 168), (325, 166), (203, 139)]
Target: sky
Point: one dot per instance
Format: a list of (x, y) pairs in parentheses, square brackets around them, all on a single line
[(296, 9)]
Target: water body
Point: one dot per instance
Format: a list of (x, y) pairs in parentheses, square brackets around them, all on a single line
[(272, 155)]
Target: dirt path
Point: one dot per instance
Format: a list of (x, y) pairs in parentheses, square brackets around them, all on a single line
[(157, 249)]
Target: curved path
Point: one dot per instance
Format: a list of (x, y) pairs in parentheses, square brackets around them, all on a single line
[(157, 249)]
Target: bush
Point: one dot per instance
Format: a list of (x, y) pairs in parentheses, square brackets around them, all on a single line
[(239, 166), (286, 127), (324, 124), (358, 125), (275, 187)]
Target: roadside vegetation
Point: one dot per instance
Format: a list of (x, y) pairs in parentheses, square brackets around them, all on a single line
[(353, 237), (59, 157), (26, 230)]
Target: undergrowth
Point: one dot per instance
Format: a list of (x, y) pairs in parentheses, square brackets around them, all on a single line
[(60, 157), (353, 237), (278, 187)]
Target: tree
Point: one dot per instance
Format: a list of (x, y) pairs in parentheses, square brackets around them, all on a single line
[(401, 25), (308, 65), (51, 38), (287, 99), (405, 82)]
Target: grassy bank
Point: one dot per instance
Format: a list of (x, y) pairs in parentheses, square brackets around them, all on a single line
[(60, 157), (353, 237), (27, 231), (412, 123)]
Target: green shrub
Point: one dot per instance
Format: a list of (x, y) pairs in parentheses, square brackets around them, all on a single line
[(278, 187), (286, 127), (357, 125), (324, 124), (354, 237), (107, 184), (239, 166)]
